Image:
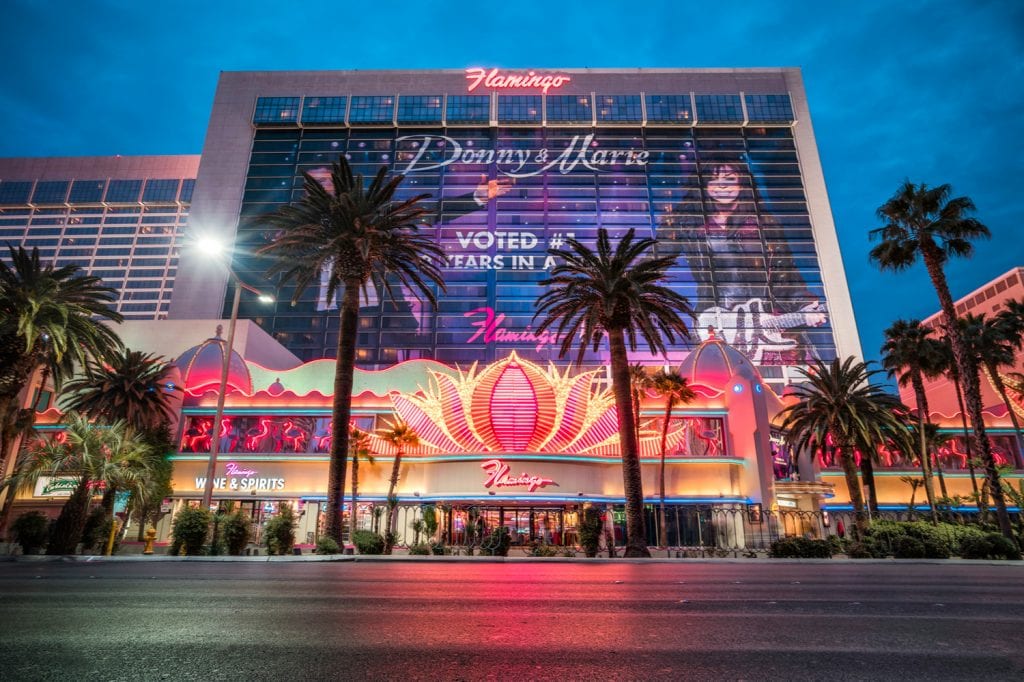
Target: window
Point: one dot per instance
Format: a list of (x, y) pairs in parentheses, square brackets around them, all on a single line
[(769, 109), (519, 109), (160, 190), (719, 109), (570, 108), (419, 109), (669, 109), (468, 109), (50, 192), (87, 191), (15, 191), (619, 108), (276, 110), (123, 191), (371, 109), (187, 186), (323, 110)]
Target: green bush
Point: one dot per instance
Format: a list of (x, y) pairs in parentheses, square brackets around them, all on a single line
[(279, 533), (327, 545), (908, 547), (439, 549), (590, 531), (860, 550), (31, 531), (568, 552), (368, 542), (542, 549), (95, 531), (800, 548), (497, 543), (189, 530), (419, 549), (989, 546), (236, 528)]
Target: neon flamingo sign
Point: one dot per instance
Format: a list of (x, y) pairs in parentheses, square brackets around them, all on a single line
[(498, 476), (499, 81)]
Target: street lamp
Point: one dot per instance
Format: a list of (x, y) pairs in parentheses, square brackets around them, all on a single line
[(214, 248)]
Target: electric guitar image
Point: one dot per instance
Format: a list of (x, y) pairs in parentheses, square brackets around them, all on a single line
[(752, 328)]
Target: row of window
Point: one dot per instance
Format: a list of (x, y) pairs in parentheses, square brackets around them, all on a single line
[(522, 109), (96, 191)]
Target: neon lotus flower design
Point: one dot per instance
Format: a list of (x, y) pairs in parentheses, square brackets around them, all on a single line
[(515, 406)]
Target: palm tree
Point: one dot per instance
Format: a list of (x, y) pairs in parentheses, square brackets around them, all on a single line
[(51, 319), (925, 222), (129, 385), (991, 342), (359, 448), (401, 436), (839, 406), (615, 292), (673, 387), (911, 354), (360, 236), (101, 457), (950, 367), (639, 382)]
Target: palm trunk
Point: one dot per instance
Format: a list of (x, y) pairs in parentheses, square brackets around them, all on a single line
[(922, 420), (955, 374), (632, 481), (342, 408), (1001, 389), (636, 413), (389, 535), (67, 531), (355, 497), (933, 259), (853, 484), (867, 472), (663, 533)]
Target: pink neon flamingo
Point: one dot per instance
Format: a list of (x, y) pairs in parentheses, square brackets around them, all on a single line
[(257, 433), (290, 432), (199, 432), (324, 442)]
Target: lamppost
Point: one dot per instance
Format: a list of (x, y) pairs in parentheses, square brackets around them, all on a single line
[(214, 249)]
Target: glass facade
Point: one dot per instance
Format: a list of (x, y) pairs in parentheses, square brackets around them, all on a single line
[(131, 244), (726, 199)]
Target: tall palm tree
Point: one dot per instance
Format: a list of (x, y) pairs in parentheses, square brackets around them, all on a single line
[(639, 382), (101, 457), (129, 386), (911, 354), (616, 292), (359, 448), (991, 342), (51, 319), (839, 406), (401, 436), (673, 387), (949, 366), (359, 235), (926, 222)]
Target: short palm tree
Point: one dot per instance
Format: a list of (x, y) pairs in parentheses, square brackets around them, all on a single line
[(616, 292), (839, 406), (991, 342), (950, 367), (401, 436), (359, 449), (927, 223), (910, 353), (673, 388), (50, 318), (129, 386), (359, 235), (113, 457), (639, 382)]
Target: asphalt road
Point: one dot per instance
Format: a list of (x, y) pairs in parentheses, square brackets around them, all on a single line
[(450, 621)]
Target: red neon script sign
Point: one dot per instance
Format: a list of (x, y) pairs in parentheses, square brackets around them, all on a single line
[(495, 79), (497, 475)]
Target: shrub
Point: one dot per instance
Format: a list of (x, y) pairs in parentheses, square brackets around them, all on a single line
[(236, 532), (31, 531), (542, 549), (95, 531), (279, 533), (568, 552), (800, 548), (190, 528), (419, 549), (989, 546), (908, 547), (860, 550), (439, 549), (327, 545), (590, 531), (368, 542), (497, 543)]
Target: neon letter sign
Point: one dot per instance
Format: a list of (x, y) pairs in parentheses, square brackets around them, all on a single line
[(497, 476), (493, 79)]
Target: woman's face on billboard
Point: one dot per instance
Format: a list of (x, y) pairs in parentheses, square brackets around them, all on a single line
[(724, 185)]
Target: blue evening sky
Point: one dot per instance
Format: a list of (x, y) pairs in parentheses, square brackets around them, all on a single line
[(930, 91)]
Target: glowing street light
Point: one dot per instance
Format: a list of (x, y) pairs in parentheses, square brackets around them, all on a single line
[(214, 248)]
